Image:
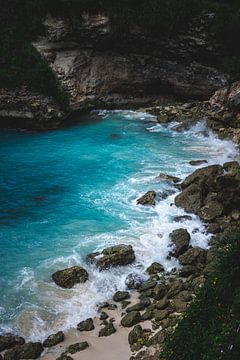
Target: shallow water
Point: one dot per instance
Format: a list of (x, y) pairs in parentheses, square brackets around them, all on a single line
[(68, 192)]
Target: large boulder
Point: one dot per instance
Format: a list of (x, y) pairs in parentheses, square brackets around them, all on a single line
[(206, 175), (180, 239), (154, 269), (86, 325), (31, 350), (134, 281), (8, 341), (193, 256), (107, 330), (67, 278), (121, 295), (190, 199), (113, 256), (131, 319)]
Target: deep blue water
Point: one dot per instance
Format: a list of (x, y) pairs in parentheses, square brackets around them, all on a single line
[(68, 192)]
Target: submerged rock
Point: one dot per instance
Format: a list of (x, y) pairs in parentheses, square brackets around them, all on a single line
[(29, 350), (67, 278), (8, 341), (86, 325), (170, 178), (113, 256), (147, 199), (54, 339), (180, 239)]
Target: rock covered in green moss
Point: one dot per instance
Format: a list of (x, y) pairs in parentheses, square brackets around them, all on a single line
[(30, 350), (67, 278), (107, 330), (8, 341), (131, 319), (121, 295), (54, 339), (154, 268), (86, 325), (74, 348)]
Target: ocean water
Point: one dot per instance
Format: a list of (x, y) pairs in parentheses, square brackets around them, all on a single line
[(66, 193)]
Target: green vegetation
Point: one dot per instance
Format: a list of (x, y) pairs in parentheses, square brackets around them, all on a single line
[(21, 23), (210, 328)]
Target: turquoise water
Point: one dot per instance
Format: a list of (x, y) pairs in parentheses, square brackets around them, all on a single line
[(68, 192)]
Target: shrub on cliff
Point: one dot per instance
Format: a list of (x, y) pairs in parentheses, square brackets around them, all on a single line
[(210, 328)]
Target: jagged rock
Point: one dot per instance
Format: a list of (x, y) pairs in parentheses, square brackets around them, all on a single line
[(54, 339), (190, 199), (121, 295), (114, 256), (108, 330), (86, 325), (147, 199), (180, 239), (197, 162), (29, 350), (206, 174), (67, 278), (8, 341), (193, 256), (155, 268), (135, 334), (170, 178), (131, 319), (74, 348), (134, 281)]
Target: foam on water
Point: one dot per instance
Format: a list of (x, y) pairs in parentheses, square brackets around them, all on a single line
[(90, 187)]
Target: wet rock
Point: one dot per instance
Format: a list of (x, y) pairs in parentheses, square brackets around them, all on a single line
[(64, 357), (121, 295), (74, 348), (29, 350), (182, 218), (8, 341), (155, 268), (54, 339), (114, 256), (103, 315), (135, 334), (197, 162), (169, 178), (134, 281), (86, 325), (143, 304), (108, 330), (67, 278), (180, 239), (214, 228), (206, 174), (193, 256), (147, 199), (131, 319)]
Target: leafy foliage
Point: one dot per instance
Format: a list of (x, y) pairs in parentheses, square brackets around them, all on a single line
[(210, 328)]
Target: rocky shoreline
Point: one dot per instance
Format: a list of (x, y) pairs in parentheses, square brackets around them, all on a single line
[(150, 308)]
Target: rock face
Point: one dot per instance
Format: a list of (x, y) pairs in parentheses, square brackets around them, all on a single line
[(180, 239), (113, 256), (211, 192), (67, 278), (8, 341), (147, 199), (26, 351)]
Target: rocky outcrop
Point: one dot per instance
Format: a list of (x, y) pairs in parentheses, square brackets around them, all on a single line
[(113, 256), (67, 278), (86, 325), (211, 192), (121, 295), (54, 339), (8, 341), (147, 199), (180, 239)]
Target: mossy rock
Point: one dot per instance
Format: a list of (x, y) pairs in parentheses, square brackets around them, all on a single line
[(86, 325), (8, 341), (131, 319), (108, 330), (121, 295), (74, 348), (29, 350), (54, 339), (67, 278), (154, 268)]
